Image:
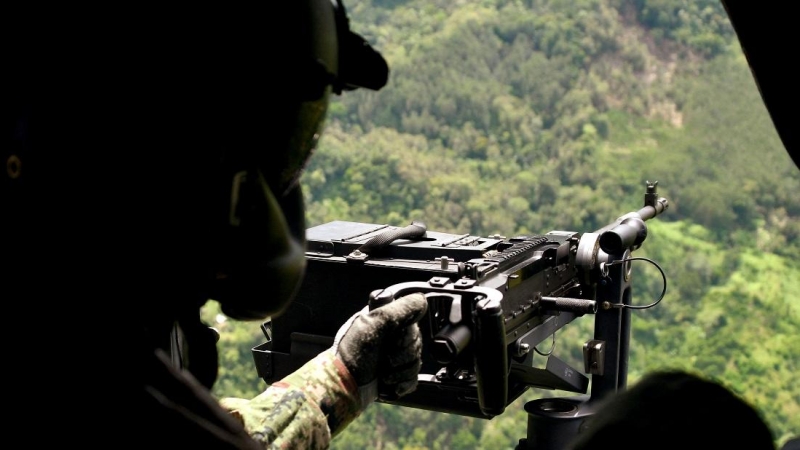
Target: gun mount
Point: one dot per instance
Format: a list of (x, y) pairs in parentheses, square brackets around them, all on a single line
[(491, 301)]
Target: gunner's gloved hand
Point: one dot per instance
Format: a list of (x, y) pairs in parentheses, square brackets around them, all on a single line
[(382, 348)]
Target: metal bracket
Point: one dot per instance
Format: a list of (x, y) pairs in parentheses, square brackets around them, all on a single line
[(594, 353)]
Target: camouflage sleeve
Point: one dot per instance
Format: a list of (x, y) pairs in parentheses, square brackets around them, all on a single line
[(304, 410)]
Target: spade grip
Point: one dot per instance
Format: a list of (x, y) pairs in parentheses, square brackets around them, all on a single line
[(491, 357)]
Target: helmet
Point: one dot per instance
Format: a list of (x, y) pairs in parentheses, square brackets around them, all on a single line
[(167, 149)]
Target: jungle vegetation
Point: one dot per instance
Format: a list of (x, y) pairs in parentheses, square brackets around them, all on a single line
[(523, 116)]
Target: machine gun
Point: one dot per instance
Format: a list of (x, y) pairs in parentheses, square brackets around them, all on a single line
[(491, 301)]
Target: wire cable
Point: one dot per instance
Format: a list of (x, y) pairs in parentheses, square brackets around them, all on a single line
[(663, 277)]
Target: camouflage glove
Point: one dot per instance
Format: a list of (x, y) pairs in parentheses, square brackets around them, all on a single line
[(382, 348)]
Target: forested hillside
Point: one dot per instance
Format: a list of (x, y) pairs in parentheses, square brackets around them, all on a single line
[(525, 116)]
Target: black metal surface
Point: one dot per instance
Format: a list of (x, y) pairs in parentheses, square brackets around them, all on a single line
[(473, 363)]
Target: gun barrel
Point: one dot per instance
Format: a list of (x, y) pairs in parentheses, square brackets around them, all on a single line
[(650, 211), (629, 230), (646, 213)]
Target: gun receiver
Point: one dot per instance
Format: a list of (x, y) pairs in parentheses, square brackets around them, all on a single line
[(491, 301)]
